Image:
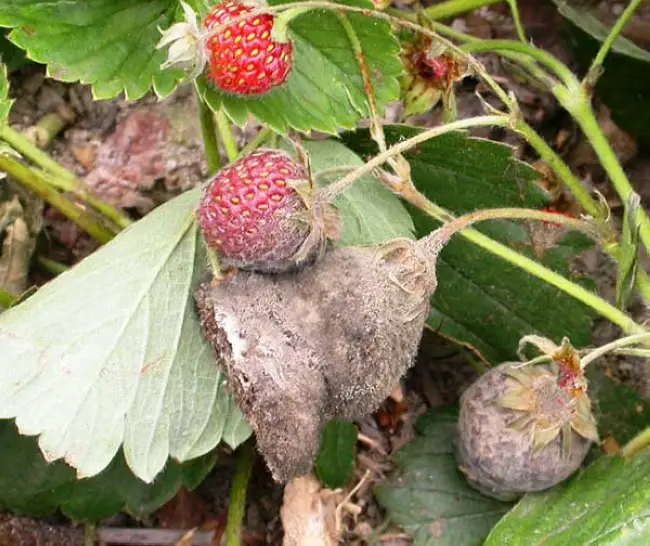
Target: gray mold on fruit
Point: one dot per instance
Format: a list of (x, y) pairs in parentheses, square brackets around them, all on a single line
[(499, 460), (329, 341)]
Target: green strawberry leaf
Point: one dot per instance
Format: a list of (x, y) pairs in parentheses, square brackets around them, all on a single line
[(429, 498), (335, 462), (584, 17), (5, 102), (619, 410), (31, 486), (607, 504), (370, 213), (110, 44), (111, 353), (325, 89), (482, 301)]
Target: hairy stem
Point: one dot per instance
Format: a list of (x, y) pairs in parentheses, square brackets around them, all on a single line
[(609, 347), (377, 129), (209, 135), (550, 61), (595, 69), (334, 190), (36, 182), (227, 137), (435, 241), (59, 177), (588, 203), (583, 113), (451, 8), (237, 505)]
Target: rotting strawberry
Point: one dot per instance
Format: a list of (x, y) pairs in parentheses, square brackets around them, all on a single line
[(255, 216), (243, 58)]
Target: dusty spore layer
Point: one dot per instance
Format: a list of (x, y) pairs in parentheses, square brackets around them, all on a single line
[(496, 446), (329, 341)]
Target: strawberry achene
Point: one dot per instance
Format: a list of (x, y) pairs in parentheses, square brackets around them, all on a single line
[(243, 58), (250, 213)]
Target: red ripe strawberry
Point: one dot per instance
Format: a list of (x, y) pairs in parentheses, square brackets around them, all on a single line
[(243, 58), (253, 217)]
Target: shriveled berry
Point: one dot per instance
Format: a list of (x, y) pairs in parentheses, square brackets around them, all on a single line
[(252, 215), (522, 429), (243, 58)]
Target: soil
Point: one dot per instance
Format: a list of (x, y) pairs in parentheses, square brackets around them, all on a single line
[(156, 148)]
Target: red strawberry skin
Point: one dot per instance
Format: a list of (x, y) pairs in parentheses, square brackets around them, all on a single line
[(243, 59), (252, 216)]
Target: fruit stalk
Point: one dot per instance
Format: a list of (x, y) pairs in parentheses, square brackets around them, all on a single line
[(61, 178), (591, 78), (237, 502), (35, 181), (209, 135)]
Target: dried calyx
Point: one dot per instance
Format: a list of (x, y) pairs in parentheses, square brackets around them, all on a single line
[(327, 341), (525, 428)]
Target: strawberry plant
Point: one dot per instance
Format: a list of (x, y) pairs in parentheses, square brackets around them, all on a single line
[(286, 295)]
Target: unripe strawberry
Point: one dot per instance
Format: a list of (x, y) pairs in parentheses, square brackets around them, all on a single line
[(524, 428), (243, 57), (253, 217)]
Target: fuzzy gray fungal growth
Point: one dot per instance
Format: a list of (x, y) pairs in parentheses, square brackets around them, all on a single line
[(506, 452), (329, 341)]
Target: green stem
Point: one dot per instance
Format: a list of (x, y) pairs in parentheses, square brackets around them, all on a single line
[(451, 8), (36, 182), (597, 64), (547, 154), (60, 178), (519, 27), (237, 505), (28, 150), (576, 291), (376, 125), (589, 204), (260, 138), (583, 114), (332, 191), (55, 268), (609, 347), (209, 135), (280, 30), (6, 299), (636, 444), (227, 137), (550, 61), (637, 353)]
